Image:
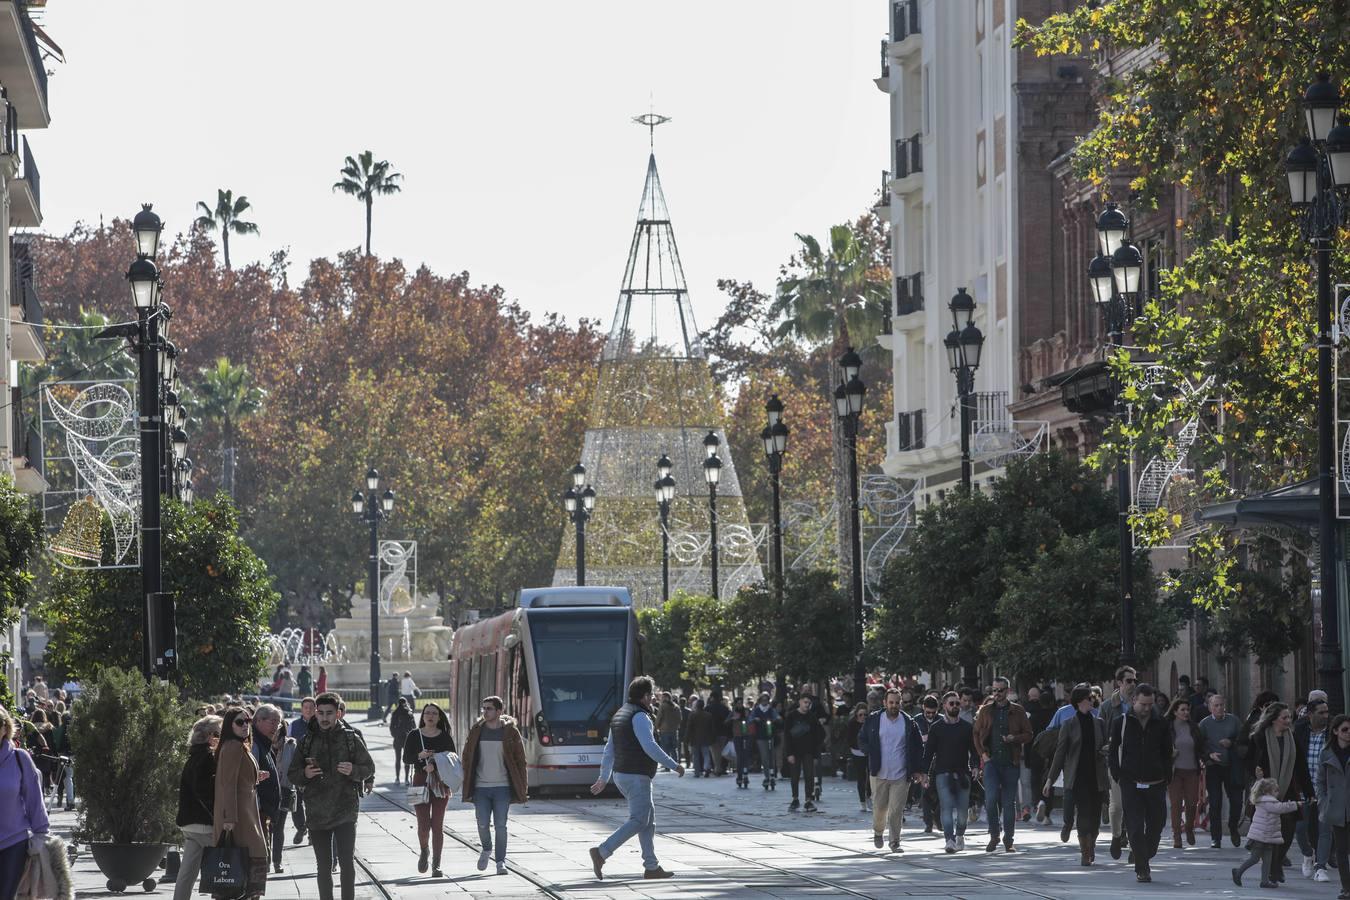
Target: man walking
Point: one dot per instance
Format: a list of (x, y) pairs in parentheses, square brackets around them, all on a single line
[(1116, 708), (330, 764), (927, 796), (668, 725), (1223, 770), (949, 758), (631, 757), (1141, 763), (1310, 736), (298, 729), (1001, 731), (894, 756)]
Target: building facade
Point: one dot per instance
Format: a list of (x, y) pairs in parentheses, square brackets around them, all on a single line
[(971, 201), (23, 104)]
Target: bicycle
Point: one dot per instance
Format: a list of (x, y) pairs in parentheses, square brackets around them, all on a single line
[(52, 794)]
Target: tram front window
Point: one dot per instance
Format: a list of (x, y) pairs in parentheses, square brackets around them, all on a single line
[(579, 659)]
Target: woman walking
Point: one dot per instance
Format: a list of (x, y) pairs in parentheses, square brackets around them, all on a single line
[(283, 752), (419, 749), (858, 757), (1081, 755), (1187, 760), (401, 725), (803, 738), (236, 807), (196, 802), (1275, 755), (494, 777), (321, 686), (1333, 795), (22, 813)]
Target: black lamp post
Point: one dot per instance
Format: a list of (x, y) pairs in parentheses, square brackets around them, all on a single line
[(848, 400), (373, 508), (1114, 275), (964, 345), (775, 435), (712, 473), (579, 500), (1319, 176), (665, 493)]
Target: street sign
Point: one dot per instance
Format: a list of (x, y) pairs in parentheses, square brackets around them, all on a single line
[(714, 670)]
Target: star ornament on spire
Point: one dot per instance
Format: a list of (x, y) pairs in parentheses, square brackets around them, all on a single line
[(650, 121)]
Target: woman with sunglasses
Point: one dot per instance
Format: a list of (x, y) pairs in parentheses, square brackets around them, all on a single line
[(236, 810), (419, 750), (197, 802), (1333, 795)]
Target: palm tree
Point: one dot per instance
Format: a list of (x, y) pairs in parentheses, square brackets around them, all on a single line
[(227, 395), (839, 297), (363, 178), (226, 215)]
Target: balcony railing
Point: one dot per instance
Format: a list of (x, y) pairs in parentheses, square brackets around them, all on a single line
[(885, 189), (29, 173), (24, 435), (909, 430), (34, 52), (23, 283), (908, 156), (904, 19), (885, 60), (909, 294), (991, 412), (9, 143)]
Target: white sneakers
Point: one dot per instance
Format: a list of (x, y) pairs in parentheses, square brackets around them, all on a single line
[(1042, 816), (862, 806), (501, 868), (951, 845), (1321, 875), (960, 842), (1308, 867)]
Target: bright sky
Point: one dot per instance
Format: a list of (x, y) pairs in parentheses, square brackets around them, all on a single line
[(509, 122)]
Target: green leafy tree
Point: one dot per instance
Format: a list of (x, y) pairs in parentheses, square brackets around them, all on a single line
[(671, 654), (226, 394), (1215, 116), (128, 737), (814, 631), (224, 598), (226, 216), (21, 540), (365, 179)]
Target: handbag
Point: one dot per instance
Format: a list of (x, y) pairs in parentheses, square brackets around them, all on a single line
[(224, 868), (419, 794)]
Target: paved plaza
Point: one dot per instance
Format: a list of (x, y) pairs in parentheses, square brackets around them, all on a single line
[(725, 843)]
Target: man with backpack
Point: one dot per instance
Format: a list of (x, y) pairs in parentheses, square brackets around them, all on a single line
[(331, 765)]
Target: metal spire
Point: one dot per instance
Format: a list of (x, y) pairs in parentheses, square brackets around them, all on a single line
[(649, 121)]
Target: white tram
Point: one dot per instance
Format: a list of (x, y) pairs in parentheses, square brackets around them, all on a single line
[(561, 661)]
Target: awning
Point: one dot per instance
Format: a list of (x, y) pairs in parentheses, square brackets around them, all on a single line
[(1293, 506)]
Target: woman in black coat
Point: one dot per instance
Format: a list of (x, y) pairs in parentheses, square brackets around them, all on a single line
[(803, 737), (401, 725), (196, 802), (1273, 753)]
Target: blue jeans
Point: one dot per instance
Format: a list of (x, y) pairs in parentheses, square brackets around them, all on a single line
[(1313, 835), (669, 742), (12, 861), (641, 819), (703, 759), (492, 802), (1000, 791), (953, 801)]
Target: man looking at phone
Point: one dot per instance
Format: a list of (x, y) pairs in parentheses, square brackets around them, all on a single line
[(330, 764)]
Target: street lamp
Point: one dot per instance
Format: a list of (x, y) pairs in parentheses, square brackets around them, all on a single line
[(712, 473), (774, 435), (665, 493), (373, 508), (848, 399), (1114, 276), (579, 500), (964, 345), (1319, 175)]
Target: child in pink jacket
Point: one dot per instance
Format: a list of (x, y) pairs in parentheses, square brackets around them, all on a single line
[(1264, 839)]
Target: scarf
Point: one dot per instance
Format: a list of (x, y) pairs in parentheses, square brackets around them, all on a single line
[(1282, 764)]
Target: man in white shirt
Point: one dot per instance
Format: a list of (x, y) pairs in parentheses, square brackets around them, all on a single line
[(894, 751)]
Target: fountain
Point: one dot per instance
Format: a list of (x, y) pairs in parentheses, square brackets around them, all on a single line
[(414, 639)]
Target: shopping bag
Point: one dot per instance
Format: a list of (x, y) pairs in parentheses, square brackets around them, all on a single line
[(224, 868), (729, 752)]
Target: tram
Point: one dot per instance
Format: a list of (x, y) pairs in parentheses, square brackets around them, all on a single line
[(561, 662)]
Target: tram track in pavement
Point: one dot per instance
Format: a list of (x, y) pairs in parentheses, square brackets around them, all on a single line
[(742, 824), (374, 879), (537, 880)]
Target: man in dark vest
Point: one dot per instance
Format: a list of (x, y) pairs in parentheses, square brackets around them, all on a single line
[(631, 756)]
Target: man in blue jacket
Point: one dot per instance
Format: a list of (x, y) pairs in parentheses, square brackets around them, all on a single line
[(894, 751)]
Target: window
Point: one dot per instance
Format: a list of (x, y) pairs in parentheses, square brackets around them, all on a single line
[(579, 658)]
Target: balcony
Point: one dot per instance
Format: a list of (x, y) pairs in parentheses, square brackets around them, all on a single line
[(25, 196), (996, 437), (909, 431), (883, 207), (25, 312), (22, 71), (908, 165), (26, 455), (909, 300), (883, 81), (905, 34)]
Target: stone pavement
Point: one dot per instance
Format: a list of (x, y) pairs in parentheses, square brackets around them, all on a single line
[(725, 843)]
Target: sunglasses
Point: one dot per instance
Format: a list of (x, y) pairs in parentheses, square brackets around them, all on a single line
[(244, 722), (1131, 680)]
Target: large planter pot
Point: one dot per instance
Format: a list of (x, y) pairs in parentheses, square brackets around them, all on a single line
[(125, 864)]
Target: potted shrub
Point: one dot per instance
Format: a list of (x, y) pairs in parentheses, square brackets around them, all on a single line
[(128, 738)]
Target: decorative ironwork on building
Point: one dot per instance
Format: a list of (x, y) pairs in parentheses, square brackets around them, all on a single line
[(656, 395)]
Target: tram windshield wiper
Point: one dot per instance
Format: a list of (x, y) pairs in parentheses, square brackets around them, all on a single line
[(613, 684)]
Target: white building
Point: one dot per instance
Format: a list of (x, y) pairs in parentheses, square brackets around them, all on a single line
[(23, 107), (974, 126)]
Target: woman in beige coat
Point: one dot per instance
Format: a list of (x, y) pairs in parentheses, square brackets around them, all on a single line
[(236, 809)]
